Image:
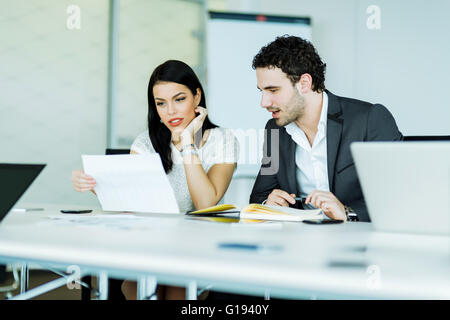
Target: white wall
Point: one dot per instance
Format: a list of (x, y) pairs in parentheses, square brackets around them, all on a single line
[(53, 91), (404, 65), (150, 32)]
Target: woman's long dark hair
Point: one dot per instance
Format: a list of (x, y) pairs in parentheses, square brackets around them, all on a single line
[(160, 135)]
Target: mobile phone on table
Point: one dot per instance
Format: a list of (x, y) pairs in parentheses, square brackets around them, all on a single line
[(76, 211), (322, 221)]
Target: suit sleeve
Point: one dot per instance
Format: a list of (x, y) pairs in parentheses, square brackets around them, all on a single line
[(361, 209), (265, 181), (381, 125)]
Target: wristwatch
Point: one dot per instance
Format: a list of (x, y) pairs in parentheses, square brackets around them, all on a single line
[(189, 149), (351, 214)]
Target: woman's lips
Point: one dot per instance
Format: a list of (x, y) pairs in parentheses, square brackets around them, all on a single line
[(175, 122)]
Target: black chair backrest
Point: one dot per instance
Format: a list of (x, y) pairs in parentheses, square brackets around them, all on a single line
[(117, 151), (2, 273), (426, 138)]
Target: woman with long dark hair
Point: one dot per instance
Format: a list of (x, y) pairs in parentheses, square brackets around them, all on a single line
[(199, 158)]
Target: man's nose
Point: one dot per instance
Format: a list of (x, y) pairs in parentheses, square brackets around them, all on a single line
[(266, 102)]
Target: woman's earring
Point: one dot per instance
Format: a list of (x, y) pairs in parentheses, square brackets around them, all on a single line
[(160, 120)]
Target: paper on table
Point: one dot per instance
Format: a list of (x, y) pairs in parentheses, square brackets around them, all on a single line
[(108, 221), (131, 182)]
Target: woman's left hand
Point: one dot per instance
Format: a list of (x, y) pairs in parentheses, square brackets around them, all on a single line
[(187, 136)]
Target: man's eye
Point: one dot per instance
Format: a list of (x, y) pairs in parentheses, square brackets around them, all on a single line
[(273, 90)]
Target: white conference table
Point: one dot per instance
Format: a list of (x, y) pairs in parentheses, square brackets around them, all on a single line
[(296, 260)]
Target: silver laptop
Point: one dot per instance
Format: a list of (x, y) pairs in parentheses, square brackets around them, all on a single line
[(405, 185)]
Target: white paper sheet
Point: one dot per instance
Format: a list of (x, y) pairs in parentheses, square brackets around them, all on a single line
[(109, 221), (131, 182)]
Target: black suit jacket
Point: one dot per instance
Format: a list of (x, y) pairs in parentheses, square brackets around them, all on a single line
[(349, 120)]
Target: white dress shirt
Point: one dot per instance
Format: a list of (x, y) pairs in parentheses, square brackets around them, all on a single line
[(311, 161)]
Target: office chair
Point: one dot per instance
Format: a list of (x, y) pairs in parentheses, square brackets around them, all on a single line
[(8, 289), (2, 273), (426, 138), (114, 285), (117, 151)]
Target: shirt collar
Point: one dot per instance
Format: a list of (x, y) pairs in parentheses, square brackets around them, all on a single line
[(324, 112)]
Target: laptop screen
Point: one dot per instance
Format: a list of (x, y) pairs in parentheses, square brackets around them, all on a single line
[(14, 181)]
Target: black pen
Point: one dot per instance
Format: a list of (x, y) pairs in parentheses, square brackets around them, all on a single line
[(302, 199)]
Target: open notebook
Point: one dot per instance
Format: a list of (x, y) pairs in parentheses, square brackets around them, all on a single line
[(260, 212)]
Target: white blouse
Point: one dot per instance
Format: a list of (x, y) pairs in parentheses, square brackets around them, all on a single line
[(220, 147)]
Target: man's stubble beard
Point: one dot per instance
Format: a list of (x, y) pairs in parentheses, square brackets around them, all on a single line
[(293, 110)]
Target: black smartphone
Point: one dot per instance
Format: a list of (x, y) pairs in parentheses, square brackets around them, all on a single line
[(76, 211), (322, 221)]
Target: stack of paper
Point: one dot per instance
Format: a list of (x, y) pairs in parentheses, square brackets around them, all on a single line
[(261, 212), (136, 183)]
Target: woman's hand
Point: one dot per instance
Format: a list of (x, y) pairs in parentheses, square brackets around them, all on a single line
[(186, 135), (82, 182)]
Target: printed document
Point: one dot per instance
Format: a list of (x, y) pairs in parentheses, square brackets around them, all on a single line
[(131, 182)]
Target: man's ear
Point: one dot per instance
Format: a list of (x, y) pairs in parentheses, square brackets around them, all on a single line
[(304, 84)]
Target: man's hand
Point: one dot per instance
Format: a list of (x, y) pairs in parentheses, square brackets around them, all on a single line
[(280, 198), (329, 204)]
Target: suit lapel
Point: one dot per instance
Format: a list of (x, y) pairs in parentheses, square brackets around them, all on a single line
[(291, 167), (334, 131)]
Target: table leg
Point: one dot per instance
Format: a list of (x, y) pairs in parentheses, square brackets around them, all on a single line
[(24, 278), (191, 292), (102, 281), (146, 288), (37, 291)]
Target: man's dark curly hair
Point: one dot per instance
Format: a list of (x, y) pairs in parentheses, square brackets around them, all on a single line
[(295, 57)]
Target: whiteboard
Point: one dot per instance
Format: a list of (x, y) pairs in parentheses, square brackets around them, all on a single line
[(232, 41)]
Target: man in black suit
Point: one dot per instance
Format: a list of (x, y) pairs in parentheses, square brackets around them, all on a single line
[(307, 145)]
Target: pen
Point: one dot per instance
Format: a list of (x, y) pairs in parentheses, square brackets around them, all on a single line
[(249, 246), (303, 201), (28, 209)]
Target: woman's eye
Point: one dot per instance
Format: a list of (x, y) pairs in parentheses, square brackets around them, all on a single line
[(180, 99), (159, 104)]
